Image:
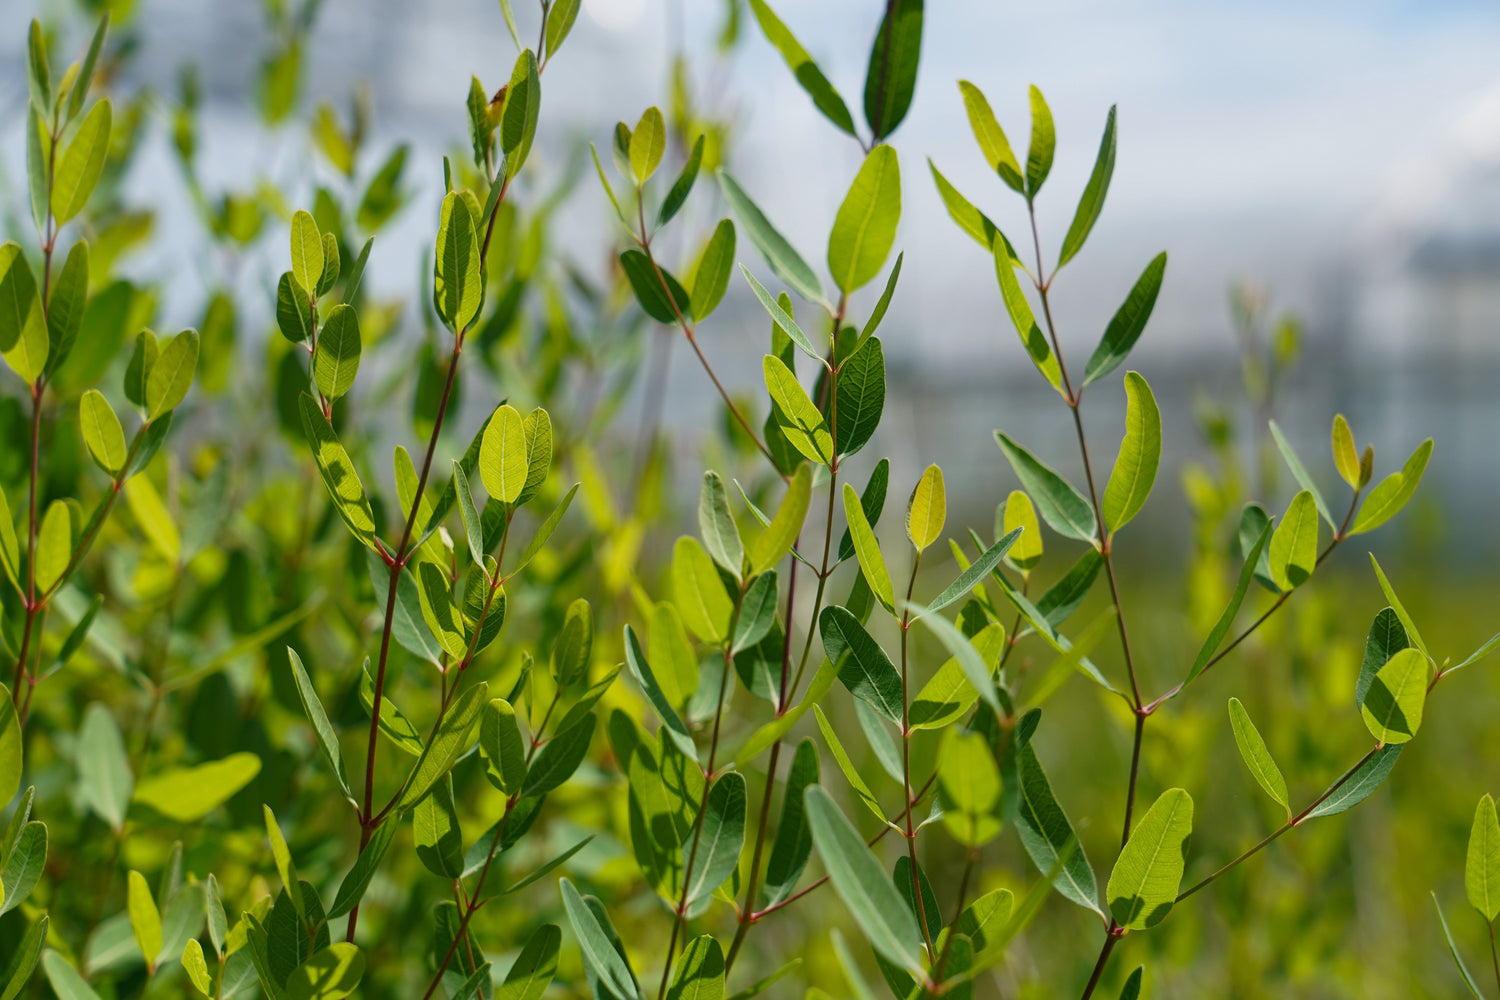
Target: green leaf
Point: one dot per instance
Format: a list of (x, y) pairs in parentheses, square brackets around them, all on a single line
[(537, 428), (332, 266), (442, 618), (669, 649), (1386, 637), (1345, 454), (1226, 620), (682, 186), (1128, 323), (1061, 505), (927, 509), (863, 666), (699, 593), (700, 971), (23, 960), (785, 261), (781, 317), (1143, 886), (892, 74), (969, 787), (501, 747), (1294, 545), (38, 77), (1299, 473), (1140, 453), (172, 374), (793, 844), (1043, 144), (503, 456), (871, 562), (352, 888), (865, 226), (145, 919), (307, 250), (24, 866), (80, 163), (640, 669), (795, 413), (1392, 492), (328, 740), (811, 78), (458, 289), (721, 837), (102, 433), (1361, 784), (85, 77), (293, 313), (330, 974), (948, 693), (598, 949), (642, 275), (11, 749), (1400, 609), (861, 882), (1393, 705), (776, 541), (104, 779), (1092, 202), (1482, 866), (1256, 756), (1038, 348), (970, 219), (449, 742), (861, 396), (66, 304), (285, 867), (532, 971), (711, 274), (878, 313), (138, 370), (196, 968), (64, 979), (523, 103), (1458, 960), (1132, 988), (991, 137), (559, 758), (436, 833), (721, 536), (473, 527), (23, 330), (757, 612), (339, 474), (54, 545), (1048, 836), (851, 773), (336, 361), (648, 140)]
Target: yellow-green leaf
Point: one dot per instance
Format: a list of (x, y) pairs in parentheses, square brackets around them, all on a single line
[(1026, 553), (156, 522), (503, 458), (927, 509), (196, 968), (1345, 453), (781, 534), (1256, 755), (145, 919), (307, 250), (79, 165), (102, 433), (647, 143), (871, 562), (1393, 703), (991, 137), (795, 413), (1038, 348), (865, 226), (1140, 454), (1392, 492), (54, 545), (699, 592), (187, 794), (1294, 546), (1482, 867), (171, 374), (23, 330), (1143, 885)]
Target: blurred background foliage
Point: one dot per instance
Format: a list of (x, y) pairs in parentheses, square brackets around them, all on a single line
[(189, 651)]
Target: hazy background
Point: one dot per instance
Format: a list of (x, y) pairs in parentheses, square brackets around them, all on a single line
[(1342, 156)]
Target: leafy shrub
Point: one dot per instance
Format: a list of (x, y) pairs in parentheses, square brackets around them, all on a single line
[(374, 737)]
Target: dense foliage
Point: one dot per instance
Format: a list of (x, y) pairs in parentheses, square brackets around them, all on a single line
[(288, 721)]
